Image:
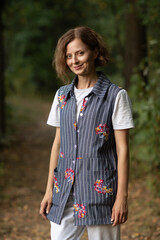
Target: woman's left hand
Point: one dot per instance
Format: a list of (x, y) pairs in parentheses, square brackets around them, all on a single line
[(119, 211)]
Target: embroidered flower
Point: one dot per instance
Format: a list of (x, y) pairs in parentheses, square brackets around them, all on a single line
[(56, 186), (62, 154), (79, 158), (83, 105), (80, 209), (102, 130), (61, 99), (63, 104), (69, 174), (98, 187), (75, 125)]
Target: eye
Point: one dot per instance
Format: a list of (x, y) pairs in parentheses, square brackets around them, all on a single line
[(69, 56), (81, 53)]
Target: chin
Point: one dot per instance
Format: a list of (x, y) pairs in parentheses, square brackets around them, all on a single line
[(79, 72)]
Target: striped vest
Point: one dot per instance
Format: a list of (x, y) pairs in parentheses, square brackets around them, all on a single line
[(87, 163)]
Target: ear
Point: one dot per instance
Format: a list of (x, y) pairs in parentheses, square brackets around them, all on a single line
[(96, 52)]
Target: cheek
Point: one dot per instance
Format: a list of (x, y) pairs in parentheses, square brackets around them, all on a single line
[(89, 59), (68, 62)]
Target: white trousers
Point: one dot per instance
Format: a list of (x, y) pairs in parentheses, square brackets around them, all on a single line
[(68, 231)]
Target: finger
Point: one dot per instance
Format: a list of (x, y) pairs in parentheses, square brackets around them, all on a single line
[(48, 207), (113, 216), (43, 214), (125, 217), (43, 211), (123, 220), (116, 220), (121, 217)]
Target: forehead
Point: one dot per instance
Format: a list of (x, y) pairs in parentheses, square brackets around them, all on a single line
[(76, 45)]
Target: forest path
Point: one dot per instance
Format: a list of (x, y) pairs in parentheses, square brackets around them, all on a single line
[(23, 177)]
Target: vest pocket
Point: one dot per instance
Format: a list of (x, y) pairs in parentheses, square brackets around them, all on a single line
[(102, 187)]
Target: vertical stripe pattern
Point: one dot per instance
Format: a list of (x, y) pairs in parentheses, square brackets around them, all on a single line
[(89, 155)]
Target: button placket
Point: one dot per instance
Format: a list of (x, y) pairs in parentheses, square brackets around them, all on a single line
[(84, 104)]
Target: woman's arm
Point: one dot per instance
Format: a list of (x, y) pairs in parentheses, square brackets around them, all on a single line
[(47, 199), (120, 208)]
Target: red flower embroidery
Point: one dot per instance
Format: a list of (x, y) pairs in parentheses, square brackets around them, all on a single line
[(83, 105), (56, 186), (102, 189), (61, 99), (69, 174), (62, 154), (80, 209), (102, 130)]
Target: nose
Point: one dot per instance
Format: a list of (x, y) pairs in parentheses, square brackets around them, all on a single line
[(75, 59)]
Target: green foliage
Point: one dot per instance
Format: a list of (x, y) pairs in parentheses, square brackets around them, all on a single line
[(145, 137), (32, 29), (34, 32)]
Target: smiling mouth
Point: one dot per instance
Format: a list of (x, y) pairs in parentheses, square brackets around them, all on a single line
[(78, 67)]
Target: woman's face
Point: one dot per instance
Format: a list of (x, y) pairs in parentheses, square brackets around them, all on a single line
[(79, 58)]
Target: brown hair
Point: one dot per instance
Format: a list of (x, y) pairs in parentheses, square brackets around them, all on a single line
[(90, 38)]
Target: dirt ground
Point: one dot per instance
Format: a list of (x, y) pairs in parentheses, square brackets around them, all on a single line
[(23, 175)]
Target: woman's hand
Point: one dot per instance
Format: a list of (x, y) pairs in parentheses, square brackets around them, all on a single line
[(46, 204), (119, 211)]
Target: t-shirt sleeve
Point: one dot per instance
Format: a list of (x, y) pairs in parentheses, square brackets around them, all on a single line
[(122, 114), (54, 115)]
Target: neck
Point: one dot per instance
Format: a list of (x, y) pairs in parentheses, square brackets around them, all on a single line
[(87, 81)]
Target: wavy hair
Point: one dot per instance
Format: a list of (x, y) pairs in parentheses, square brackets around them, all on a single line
[(89, 37)]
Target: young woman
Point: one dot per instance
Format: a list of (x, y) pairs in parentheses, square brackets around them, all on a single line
[(88, 175)]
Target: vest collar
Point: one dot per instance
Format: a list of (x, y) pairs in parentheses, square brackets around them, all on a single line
[(101, 85), (99, 88)]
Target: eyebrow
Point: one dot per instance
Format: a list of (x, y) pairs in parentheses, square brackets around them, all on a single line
[(76, 51)]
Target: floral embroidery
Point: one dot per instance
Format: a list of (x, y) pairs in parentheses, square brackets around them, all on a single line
[(102, 189), (83, 105), (62, 154), (63, 104), (102, 130), (69, 174), (56, 186), (80, 209), (75, 125), (79, 158), (61, 99)]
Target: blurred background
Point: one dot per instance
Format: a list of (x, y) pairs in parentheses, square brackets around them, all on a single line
[(29, 31)]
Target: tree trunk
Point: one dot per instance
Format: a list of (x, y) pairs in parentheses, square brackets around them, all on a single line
[(136, 44), (2, 88)]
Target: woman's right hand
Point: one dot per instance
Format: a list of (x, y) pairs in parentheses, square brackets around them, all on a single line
[(46, 204)]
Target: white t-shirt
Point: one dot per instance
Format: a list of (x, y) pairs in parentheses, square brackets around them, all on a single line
[(121, 117)]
